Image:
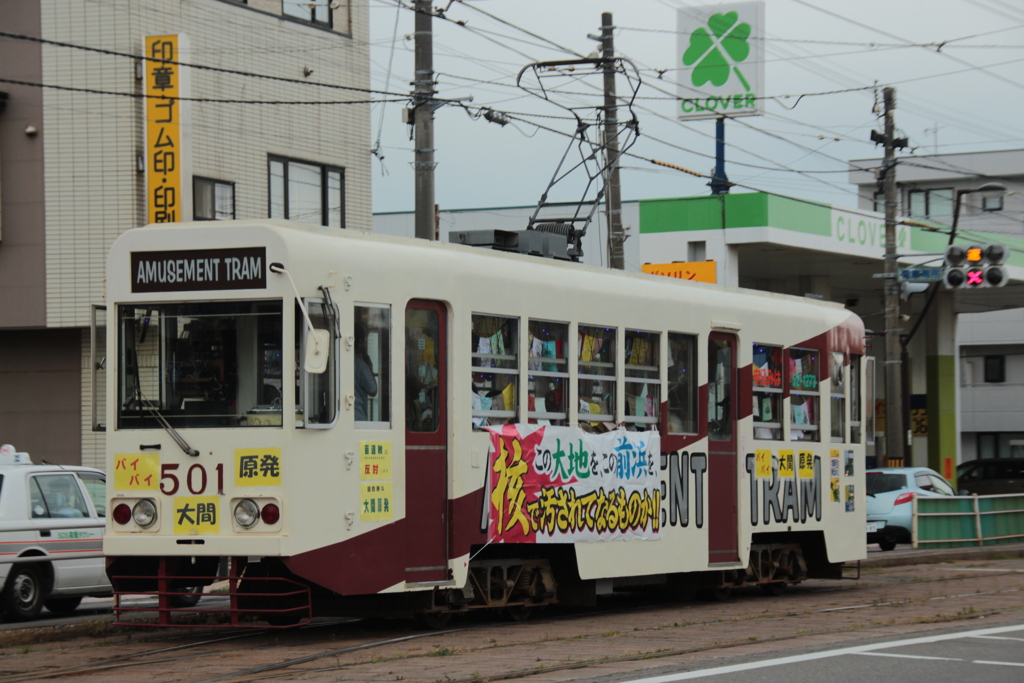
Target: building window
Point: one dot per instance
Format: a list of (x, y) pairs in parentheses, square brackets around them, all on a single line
[(307, 193), (879, 200), (995, 369), (992, 203), (213, 200), (936, 203), (314, 11), (767, 374)]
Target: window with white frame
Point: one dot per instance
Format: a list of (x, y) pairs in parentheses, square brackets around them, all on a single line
[(804, 397), (837, 375), (307, 192), (643, 379), (212, 200), (937, 203), (313, 11)]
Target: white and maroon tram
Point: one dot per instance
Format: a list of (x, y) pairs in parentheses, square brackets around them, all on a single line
[(369, 424)]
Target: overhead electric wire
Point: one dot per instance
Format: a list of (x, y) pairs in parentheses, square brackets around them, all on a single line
[(207, 100), (201, 67)]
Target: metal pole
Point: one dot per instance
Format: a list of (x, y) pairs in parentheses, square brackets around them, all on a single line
[(613, 196), (423, 108), (720, 183), (895, 433)]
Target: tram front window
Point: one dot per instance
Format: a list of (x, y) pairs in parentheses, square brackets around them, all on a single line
[(200, 364)]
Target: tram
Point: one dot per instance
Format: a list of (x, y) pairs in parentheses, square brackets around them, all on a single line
[(366, 424)]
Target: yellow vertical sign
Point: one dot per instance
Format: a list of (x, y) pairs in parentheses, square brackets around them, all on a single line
[(374, 459), (165, 193), (786, 464), (136, 471), (806, 460), (763, 462)]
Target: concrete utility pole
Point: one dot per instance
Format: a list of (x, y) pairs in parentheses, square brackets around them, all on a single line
[(613, 196), (423, 119), (895, 432)]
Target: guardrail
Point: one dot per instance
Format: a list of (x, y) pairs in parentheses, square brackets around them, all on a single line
[(962, 521)]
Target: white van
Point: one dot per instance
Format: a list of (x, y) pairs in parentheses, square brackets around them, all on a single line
[(51, 536)]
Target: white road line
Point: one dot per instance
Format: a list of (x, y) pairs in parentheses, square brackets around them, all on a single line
[(999, 638), (811, 656), (982, 661), (890, 654)]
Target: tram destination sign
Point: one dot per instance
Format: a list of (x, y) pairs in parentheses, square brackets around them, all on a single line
[(199, 270)]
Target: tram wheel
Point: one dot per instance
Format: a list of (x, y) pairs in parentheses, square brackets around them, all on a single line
[(517, 612), (433, 620)]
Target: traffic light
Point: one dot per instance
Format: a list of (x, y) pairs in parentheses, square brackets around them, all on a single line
[(975, 266), (955, 275)]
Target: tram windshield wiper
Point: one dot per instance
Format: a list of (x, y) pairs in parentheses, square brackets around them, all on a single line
[(146, 404)]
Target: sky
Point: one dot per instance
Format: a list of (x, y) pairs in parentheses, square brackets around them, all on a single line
[(957, 66)]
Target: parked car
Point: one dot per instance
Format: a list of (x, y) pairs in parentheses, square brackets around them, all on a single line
[(890, 491), (988, 476), (51, 528)]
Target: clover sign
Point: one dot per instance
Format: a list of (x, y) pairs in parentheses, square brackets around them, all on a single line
[(718, 52)]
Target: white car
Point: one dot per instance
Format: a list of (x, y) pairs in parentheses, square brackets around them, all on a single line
[(51, 536)]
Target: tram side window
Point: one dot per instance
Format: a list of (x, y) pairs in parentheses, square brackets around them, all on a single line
[(682, 383), (548, 387), (803, 392), (318, 394), (372, 363), (596, 378), (720, 389), (643, 379), (855, 399), (422, 391), (495, 377), (767, 377), (837, 375)]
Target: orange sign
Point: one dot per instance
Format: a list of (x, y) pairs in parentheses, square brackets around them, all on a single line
[(698, 271), (167, 193)]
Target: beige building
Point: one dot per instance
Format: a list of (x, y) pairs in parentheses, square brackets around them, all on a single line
[(73, 164)]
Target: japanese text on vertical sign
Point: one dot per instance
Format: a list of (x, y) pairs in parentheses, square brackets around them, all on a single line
[(257, 467), (374, 459), (136, 471), (163, 130)]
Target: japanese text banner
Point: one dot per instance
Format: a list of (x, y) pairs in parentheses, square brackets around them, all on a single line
[(563, 485)]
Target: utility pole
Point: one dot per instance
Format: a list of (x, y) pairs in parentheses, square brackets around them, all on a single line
[(895, 432), (613, 197), (423, 119)]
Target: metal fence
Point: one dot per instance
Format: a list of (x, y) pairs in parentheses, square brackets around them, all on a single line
[(962, 521)]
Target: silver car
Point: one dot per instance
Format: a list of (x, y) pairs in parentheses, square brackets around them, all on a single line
[(890, 491), (51, 536)]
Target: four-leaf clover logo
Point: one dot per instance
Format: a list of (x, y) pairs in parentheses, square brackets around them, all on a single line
[(716, 54)]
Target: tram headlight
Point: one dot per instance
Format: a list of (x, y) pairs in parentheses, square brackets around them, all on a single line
[(144, 513), (122, 513), (247, 513)]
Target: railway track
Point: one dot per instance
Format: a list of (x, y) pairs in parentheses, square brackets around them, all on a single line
[(627, 632)]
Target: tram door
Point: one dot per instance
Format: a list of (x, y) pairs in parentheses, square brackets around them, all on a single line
[(722, 484), (426, 444)]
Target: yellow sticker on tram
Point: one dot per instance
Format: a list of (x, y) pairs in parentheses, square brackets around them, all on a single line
[(374, 459), (763, 460), (785, 464), (196, 515), (257, 467), (136, 471), (377, 503), (806, 464)]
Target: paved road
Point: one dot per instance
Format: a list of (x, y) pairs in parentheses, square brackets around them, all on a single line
[(966, 653)]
